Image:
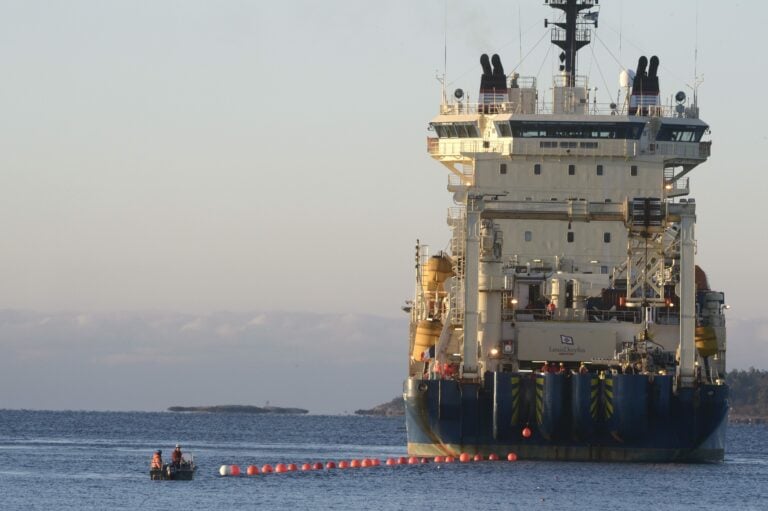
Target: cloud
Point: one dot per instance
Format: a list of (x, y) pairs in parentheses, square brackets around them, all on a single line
[(194, 325), (747, 343), (258, 320), (152, 360)]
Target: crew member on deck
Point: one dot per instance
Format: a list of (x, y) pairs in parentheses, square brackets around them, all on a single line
[(176, 455), (551, 309), (157, 460)]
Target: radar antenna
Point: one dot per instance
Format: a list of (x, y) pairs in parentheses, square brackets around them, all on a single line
[(572, 35)]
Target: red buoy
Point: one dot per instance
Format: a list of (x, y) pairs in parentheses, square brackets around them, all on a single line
[(354, 464), (493, 457), (343, 464), (527, 432), (450, 459), (280, 468), (317, 466), (511, 457), (478, 457), (252, 470), (365, 463), (235, 470), (266, 469), (292, 467), (330, 465), (464, 457), (402, 460), (375, 462), (423, 461), (306, 466), (439, 459), (391, 461), (413, 460)]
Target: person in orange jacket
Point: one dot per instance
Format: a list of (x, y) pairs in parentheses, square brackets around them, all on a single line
[(157, 460), (176, 455)]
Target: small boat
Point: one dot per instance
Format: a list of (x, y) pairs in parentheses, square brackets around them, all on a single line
[(184, 471)]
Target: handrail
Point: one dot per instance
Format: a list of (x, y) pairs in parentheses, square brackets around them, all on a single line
[(591, 315), (546, 107)]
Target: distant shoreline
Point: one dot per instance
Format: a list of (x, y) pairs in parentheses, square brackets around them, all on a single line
[(240, 409), (394, 408), (746, 419)]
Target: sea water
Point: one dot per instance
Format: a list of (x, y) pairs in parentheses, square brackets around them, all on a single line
[(100, 460)]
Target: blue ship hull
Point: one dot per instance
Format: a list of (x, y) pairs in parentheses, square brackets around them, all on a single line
[(569, 417)]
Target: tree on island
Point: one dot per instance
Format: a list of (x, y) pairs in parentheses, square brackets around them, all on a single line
[(748, 392)]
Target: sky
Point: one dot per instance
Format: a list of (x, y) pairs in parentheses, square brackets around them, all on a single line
[(324, 363), (199, 156)]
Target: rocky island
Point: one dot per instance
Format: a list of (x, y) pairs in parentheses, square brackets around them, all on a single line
[(392, 408), (238, 409)]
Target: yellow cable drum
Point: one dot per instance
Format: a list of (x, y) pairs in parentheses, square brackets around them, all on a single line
[(435, 271), (427, 334), (706, 341)]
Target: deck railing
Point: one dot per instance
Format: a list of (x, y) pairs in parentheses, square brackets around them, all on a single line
[(592, 315), (547, 107)]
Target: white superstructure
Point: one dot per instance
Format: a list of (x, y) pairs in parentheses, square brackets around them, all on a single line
[(573, 233)]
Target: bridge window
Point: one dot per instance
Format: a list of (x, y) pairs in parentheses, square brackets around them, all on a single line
[(671, 133), (606, 237), (633, 170), (570, 237), (503, 129), (537, 169), (502, 168), (456, 130), (599, 170), (538, 129), (528, 235), (571, 170)]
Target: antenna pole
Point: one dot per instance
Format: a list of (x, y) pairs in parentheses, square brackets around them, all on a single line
[(520, 30), (445, 41), (696, 46), (568, 36)]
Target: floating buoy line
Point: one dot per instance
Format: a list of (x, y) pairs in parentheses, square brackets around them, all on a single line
[(281, 468)]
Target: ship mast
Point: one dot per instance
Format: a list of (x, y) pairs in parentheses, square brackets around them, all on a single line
[(571, 35)]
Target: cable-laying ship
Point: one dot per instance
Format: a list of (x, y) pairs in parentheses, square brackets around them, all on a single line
[(568, 320)]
